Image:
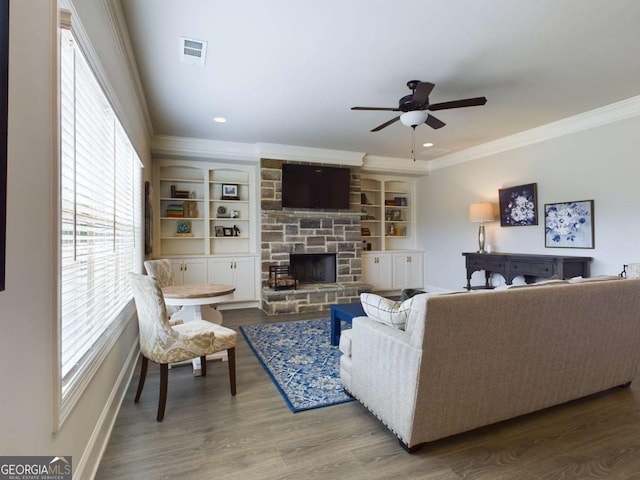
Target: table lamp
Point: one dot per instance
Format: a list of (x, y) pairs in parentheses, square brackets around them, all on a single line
[(481, 212)]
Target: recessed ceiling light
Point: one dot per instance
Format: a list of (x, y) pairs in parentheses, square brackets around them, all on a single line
[(427, 145), (220, 120)]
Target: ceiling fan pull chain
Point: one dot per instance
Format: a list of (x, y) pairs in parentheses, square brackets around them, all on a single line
[(413, 142)]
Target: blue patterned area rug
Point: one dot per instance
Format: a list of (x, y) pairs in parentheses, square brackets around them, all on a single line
[(300, 360)]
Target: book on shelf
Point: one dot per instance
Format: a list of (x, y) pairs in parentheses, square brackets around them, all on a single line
[(175, 193), (175, 210), (180, 234)]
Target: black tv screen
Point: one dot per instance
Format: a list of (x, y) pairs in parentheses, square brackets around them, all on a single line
[(312, 186)]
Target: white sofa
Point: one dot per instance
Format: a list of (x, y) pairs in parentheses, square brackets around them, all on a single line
[(472, 359)]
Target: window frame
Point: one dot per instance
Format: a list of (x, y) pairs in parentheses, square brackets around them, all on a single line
[(67, 397)]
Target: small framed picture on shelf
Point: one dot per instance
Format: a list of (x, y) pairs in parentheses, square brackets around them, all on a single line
[(230, 191), (401, 201), (365, 232), (227, 232), (219, 231)]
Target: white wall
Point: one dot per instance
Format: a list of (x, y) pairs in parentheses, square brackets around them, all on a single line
[(600, 164), (28, 305)]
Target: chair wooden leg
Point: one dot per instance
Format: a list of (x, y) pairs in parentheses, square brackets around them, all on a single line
[(143, 375), (203, 366), (162, 400), (231, 353)]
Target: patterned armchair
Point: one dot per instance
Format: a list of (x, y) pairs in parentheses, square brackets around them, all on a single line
[(164, 344), (162, 271)]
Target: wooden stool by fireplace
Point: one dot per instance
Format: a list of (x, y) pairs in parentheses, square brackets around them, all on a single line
[(280, 278)]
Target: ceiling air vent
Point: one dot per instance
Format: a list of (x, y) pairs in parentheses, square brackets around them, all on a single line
[(192, 51)]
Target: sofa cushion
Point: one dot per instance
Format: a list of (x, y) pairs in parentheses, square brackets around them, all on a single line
[(384, 310), (345, 342)]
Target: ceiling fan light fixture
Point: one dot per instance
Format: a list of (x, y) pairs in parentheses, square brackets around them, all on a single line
[(427, 145), (414, 118)]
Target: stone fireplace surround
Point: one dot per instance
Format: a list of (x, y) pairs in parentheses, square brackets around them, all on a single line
[(286, 231)]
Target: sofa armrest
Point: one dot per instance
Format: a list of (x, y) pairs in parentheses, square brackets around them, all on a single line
[(384, 373)]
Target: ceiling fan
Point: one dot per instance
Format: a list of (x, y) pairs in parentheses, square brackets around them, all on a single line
[(416, 105)]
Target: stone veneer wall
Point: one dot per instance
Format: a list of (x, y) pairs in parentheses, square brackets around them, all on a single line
[(285, 231)]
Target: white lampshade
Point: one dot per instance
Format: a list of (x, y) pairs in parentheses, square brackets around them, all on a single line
[(414, 118), (481, 212)]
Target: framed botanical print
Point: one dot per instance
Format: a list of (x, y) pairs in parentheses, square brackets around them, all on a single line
[(569, 224), (518, 205)]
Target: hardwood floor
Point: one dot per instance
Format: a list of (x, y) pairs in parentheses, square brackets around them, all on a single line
[(208, 434)]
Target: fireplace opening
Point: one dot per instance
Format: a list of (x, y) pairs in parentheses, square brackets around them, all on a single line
[(313, 267)]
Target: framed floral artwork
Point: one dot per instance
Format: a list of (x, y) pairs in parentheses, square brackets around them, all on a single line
[(569, 224), (518, 205)]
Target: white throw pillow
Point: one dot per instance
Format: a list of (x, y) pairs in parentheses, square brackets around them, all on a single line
[(599, 278), (555, 281), (633, 270), (384, 310)]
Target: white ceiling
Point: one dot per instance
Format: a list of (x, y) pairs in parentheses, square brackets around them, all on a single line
[(288, 71)]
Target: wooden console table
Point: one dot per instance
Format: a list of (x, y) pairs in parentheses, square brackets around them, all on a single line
[(511, 265)]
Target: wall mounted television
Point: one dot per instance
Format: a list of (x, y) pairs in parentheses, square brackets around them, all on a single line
[(315, 186)]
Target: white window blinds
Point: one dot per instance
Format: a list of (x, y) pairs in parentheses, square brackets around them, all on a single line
[(100, 216)]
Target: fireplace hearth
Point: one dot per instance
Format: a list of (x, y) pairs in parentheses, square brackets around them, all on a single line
[(313, 267)]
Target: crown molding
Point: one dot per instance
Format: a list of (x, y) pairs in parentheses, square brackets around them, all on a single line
[(118, 24), (594, 118), (204, 148), (399, 166), (250, 152), (277, 151)]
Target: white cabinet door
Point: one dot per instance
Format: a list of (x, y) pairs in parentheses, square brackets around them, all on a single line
[(407, 270), (236, 271), (376, 270), (189, 270), (195, 271), (221, 271)]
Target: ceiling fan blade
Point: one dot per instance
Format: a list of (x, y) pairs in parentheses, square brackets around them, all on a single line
[(388, 109), (434, 123), (386, 124), (421, 94), (467, 102)]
